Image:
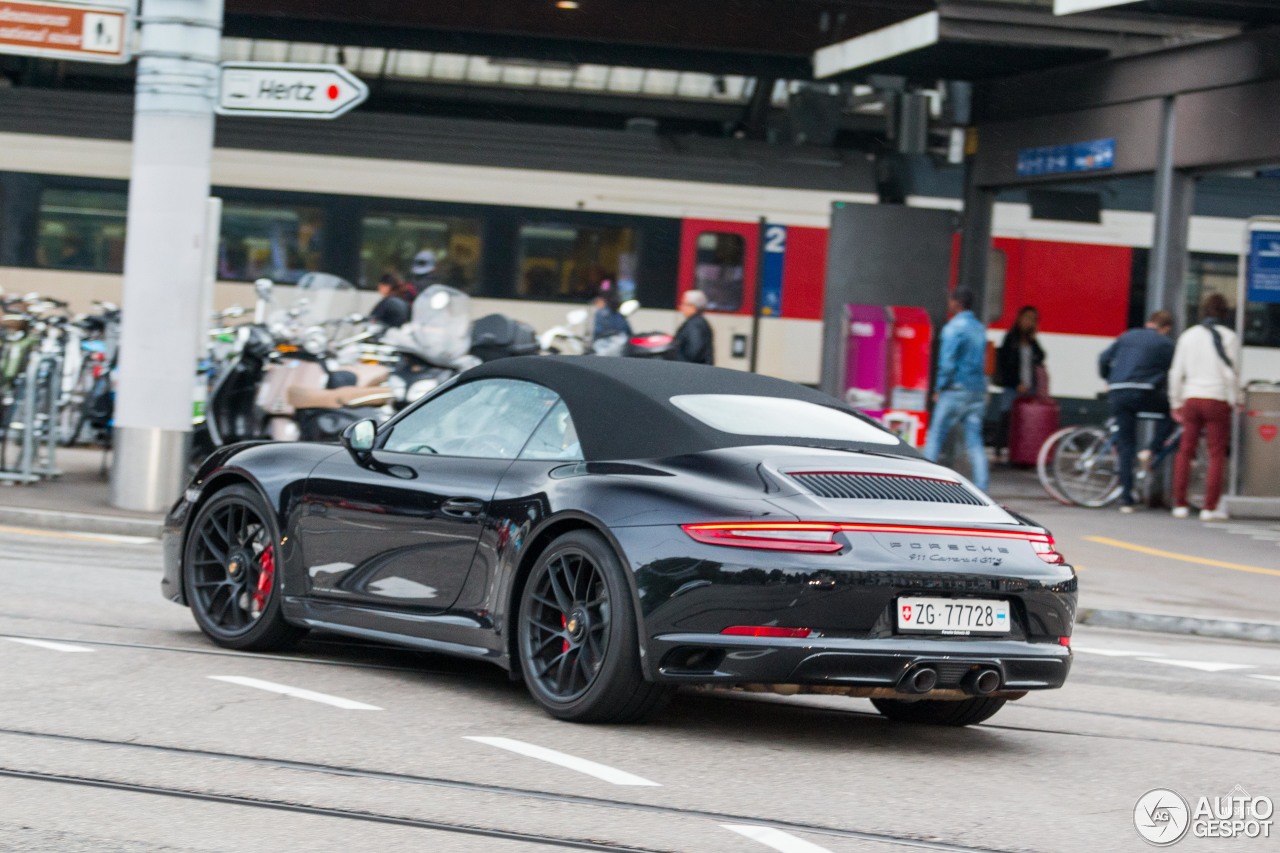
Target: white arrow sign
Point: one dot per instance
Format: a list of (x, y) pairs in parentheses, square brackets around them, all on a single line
[(287, 90)]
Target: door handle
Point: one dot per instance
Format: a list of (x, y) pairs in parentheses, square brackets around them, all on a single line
[(462, 507)]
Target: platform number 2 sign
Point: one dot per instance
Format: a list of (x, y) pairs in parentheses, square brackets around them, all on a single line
[(775, 251)]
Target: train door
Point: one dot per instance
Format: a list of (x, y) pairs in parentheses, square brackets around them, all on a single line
[(719, 258)]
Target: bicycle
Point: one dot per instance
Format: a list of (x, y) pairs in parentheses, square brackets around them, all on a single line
[(1080, 466)]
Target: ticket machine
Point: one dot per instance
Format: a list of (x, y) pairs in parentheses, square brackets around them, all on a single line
[(887, 357)]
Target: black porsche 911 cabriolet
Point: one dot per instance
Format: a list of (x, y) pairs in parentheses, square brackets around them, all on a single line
[(609, 529)]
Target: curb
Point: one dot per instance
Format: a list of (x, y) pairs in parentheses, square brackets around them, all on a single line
[(81, 522), (1227, 629)]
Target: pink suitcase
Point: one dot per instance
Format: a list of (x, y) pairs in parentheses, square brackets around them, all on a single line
[(1032, 420)]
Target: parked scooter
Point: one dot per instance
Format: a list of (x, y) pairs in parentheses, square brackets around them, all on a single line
[(572, 338), (284, 383)]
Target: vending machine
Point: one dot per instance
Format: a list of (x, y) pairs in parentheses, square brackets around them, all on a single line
[(888, 350)]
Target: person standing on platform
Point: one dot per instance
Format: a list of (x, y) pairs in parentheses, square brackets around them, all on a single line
[(1136, 367), (1203, 385), (962, 385), (693, 340), (1016, 361)]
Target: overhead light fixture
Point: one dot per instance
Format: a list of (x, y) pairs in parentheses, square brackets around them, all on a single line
[(1070, 7), (566, 4)]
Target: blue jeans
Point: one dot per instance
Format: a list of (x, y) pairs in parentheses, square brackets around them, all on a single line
[(953, 407)]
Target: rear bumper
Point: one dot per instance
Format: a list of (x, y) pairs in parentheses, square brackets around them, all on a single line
[(853, 663)]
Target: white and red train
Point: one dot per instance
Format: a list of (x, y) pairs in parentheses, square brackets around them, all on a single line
[(524, 239)]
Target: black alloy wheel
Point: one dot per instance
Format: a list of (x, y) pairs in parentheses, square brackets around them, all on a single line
[(230, 570), (939, 712), (578, 643)]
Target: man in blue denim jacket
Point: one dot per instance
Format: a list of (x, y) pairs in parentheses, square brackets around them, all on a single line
[(962, 385)]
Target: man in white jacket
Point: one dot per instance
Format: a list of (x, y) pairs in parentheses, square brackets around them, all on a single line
[(1203, 387)]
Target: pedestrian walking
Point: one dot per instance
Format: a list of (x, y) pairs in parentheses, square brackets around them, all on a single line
[(1017, 361), (962, 385), (1136, 368), (1203, 388), (694, 341)]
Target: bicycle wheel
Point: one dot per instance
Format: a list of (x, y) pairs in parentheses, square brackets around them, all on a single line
[(1086, 467), (1044, 465)]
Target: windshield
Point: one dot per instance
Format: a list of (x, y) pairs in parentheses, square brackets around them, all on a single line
[(780, 417), (316, 297), (440, 325)]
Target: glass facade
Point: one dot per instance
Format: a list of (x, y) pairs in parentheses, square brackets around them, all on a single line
[(720, 267)]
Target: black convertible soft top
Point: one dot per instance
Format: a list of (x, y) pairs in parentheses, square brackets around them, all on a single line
[(622, 407)]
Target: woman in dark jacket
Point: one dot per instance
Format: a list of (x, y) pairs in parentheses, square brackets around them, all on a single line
[(1016, 361)]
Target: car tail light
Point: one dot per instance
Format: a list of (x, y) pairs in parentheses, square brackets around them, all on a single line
[(1064, 641), (769, 535), (819, 536), (766, 631)]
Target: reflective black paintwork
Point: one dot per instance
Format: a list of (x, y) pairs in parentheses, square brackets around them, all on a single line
[(429, 551)]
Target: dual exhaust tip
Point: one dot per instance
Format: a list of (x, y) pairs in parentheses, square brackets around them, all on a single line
[(978, 682)]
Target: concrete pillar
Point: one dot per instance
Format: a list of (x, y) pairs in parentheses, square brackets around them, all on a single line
[(1174, 203), (162, 304), (975, 243)]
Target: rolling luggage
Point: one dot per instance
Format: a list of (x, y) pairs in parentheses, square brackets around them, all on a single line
[(1032, 420)]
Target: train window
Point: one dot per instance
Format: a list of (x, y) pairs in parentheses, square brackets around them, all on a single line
[(561, 261), (390, 241), (276, 241), (719, 268), (82, 230), (997, 274)]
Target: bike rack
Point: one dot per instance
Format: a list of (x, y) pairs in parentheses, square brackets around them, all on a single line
[(32, 419)]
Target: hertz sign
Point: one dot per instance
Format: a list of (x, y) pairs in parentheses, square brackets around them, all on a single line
[(83, 32)]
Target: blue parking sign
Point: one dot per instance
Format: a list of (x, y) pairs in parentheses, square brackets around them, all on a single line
[(1263, 273)]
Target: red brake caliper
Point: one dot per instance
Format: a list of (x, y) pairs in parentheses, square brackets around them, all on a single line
[(266, 577), (564, 623)]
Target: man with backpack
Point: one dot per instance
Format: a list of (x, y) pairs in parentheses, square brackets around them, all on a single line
[(1203, 385)]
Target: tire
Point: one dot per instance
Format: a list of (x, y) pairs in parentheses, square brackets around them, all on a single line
[(576, 633), (229, 573), (1086, 468), (938, 712), (1044, 465)]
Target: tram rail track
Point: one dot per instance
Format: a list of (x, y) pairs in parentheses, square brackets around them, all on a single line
[(436, 782), (463, 671)]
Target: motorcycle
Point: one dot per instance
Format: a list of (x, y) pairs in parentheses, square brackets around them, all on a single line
[(572, 339)]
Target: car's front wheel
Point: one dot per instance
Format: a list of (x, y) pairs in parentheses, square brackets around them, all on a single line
[(578, 642), (229, 569), (937, 712)]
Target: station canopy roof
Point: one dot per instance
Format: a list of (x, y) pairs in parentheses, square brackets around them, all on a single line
[(926, 40)]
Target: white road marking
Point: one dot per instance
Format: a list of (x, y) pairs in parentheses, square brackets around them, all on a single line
[(296, 692), (775, 838), (48, 644), (1113, 653), (1203, 666), (572, 762)]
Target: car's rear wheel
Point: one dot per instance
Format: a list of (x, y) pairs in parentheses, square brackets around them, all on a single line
[(936, 712), (229, 569), (578, 642)]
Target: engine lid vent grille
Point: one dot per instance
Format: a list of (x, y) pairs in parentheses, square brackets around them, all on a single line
[(886, 487)]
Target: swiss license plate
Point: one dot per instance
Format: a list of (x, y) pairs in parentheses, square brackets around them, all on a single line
[(959, 616)]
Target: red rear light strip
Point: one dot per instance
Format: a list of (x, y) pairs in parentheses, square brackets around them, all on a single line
[(766, 631), (740, 534)]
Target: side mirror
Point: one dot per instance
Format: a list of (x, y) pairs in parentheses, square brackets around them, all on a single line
[(629, 307), (358, 440), (577, 316), (263, 288)]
